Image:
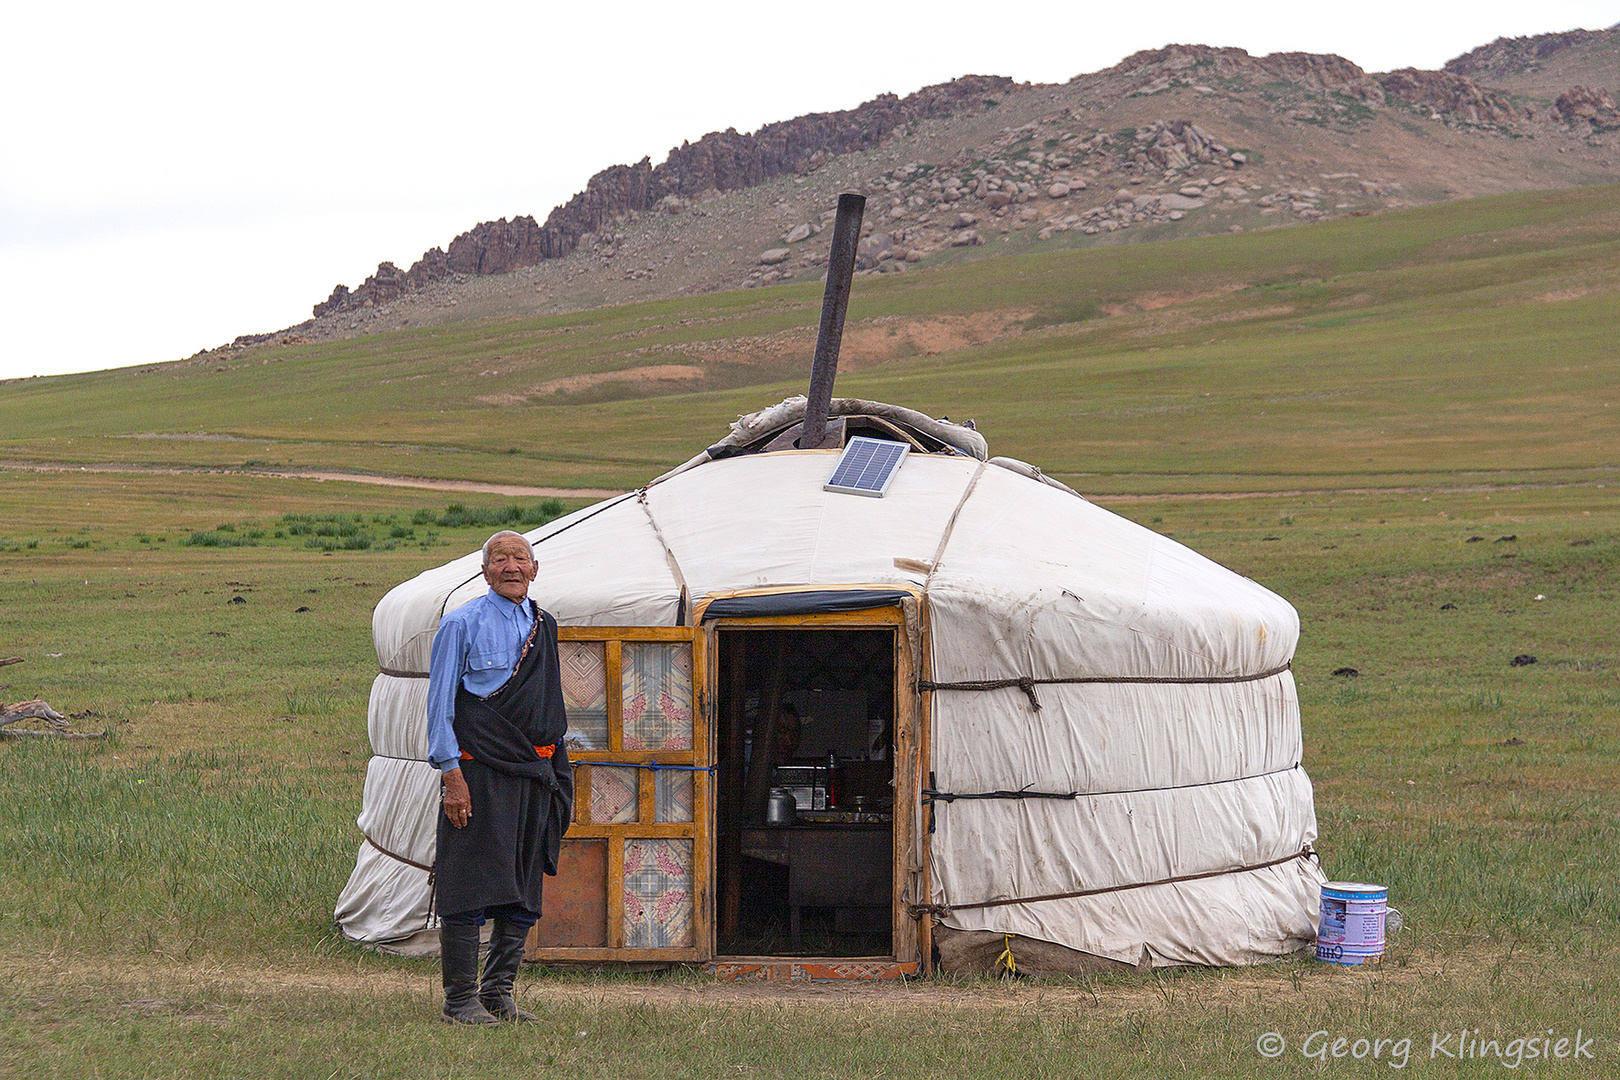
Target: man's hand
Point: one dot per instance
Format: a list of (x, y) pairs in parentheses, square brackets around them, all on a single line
[(457, 799)]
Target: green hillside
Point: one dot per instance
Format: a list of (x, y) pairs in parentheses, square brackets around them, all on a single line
[(1474, 336)]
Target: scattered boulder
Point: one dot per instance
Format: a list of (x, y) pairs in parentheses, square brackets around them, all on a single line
[(965, 220), (997, 199), (967, 238), (774, 256), (797, 233), (1058, 191), (1586, 104), (1166, 202), (873, 250), (1449, 94)]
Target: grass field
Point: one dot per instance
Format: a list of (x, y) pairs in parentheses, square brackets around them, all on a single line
[(165, 893)]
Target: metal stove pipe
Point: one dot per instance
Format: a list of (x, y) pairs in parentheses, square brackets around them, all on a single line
[(834, 304)]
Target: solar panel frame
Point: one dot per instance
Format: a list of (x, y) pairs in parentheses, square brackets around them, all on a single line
[(867, 467)]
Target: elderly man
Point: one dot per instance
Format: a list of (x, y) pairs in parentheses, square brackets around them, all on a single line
[(495, 729)]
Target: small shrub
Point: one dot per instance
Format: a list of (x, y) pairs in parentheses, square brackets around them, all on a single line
[(215, 538)]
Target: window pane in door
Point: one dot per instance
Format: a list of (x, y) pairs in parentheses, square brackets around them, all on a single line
[(584, 687), (657, 685), (613, 794), (658, 894), (672, 794), (576, 899)]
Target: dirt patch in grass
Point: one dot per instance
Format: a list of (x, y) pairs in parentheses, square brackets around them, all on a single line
[(573, 384), (877, 341), (158, 984), (1153, 301), (1578, 293)]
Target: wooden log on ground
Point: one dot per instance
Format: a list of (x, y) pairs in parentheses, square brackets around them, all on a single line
[(4, 660), (37, 709), (32, 710)]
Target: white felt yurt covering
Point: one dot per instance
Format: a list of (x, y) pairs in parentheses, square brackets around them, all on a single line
[(1187, 762)]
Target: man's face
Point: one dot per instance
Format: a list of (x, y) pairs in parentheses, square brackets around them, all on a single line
[(510, 569)]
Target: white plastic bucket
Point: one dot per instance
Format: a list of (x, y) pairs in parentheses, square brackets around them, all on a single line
[(1351, 930)]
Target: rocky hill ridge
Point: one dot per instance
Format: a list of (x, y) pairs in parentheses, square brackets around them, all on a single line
[(719, 162), (1181, 140), (1507, 57)]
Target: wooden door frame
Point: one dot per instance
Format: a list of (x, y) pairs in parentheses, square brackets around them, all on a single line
[(908, 937)]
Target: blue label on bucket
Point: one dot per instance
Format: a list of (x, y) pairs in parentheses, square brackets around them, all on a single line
[(1334, 953), (1354, 891)]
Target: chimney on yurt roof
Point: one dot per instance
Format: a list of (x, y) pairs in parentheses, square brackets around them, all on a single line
[(834, 305)]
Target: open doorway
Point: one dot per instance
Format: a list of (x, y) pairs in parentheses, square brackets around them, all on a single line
[(805, 790)]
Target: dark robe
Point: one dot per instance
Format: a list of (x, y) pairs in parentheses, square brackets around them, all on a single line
[(521, 802)]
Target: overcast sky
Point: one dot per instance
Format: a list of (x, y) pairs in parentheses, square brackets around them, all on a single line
[(176, 174)]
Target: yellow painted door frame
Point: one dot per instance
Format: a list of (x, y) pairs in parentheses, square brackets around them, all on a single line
[(910, 938)]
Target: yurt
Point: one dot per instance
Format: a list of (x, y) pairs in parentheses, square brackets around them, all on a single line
[(884, 705)]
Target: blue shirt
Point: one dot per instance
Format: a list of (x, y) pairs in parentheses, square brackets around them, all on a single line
[(478, 644)]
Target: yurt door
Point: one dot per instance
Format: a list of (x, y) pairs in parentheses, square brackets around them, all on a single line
[(816, 781), (635, 868)]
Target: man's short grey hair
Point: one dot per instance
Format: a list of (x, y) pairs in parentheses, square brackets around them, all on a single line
[(503, 534)]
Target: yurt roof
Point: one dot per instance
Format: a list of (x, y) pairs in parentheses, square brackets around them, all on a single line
[(987, 536)]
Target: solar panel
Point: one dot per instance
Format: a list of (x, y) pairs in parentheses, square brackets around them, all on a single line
[(867, 467)]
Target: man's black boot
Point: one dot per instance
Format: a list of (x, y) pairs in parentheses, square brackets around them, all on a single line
[(458, 952), (500, 969)]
